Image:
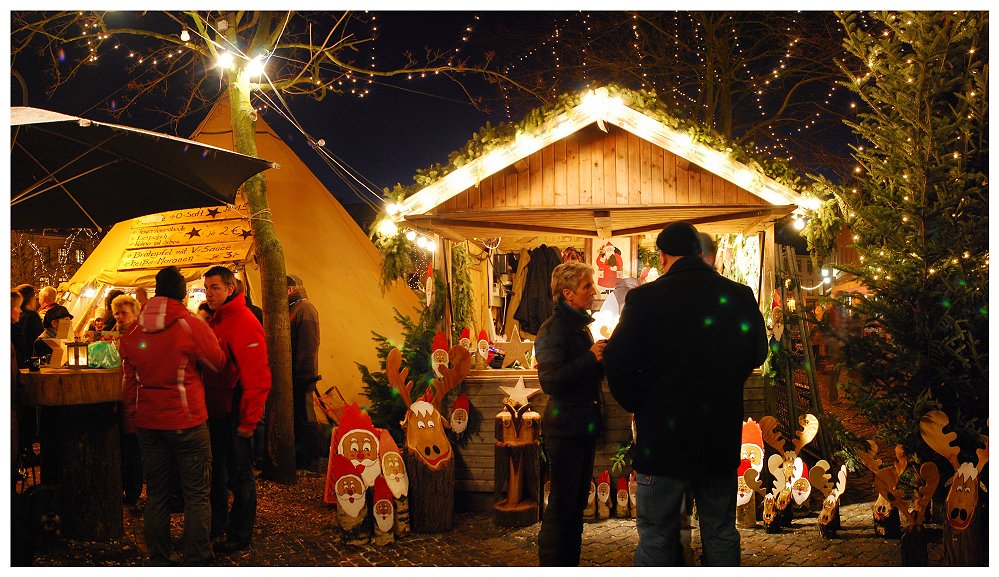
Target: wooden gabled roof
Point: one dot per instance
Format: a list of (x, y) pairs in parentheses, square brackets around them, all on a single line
[(601, 169)]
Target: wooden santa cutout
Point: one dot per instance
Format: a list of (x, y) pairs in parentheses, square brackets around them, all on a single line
[(429, 458), (782, 465), (517, 459), (777, 316), (482, 349), (465, 340), (515, 349), (383, 511), (633, 494), (829, 515), (352, 519), (459, 414), (356, 438), (590, 511), (801, 488), (439, 354), (603, 495), (621, 498), (752, 457), (394, 473), (961, 546)]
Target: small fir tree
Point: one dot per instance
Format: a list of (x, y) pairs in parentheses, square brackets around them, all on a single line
[(918, 213)]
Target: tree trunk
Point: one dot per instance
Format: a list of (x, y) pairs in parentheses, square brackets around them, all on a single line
[(431, 495), (967, 548), (279, 415)]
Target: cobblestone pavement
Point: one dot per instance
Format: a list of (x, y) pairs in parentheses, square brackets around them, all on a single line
[(294, 529)]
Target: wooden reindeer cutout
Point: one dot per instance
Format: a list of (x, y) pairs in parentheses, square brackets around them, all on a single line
[(517, 459), (783, 464), (887, 522), (820, 478), (428, 455), (752, 479), (914, 553), (962, 499)]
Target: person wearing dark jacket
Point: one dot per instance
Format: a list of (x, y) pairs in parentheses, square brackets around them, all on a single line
[(570, 373), (30, 323), (678, 360), (303, 319), (163, 401)]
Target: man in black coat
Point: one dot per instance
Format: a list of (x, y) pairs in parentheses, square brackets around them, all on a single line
[(678, 360), (570, 372)]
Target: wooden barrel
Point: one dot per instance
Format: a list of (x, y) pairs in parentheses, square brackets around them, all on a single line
[(81, 456)]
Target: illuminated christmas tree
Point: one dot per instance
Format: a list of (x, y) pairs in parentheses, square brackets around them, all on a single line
[(917, 210)]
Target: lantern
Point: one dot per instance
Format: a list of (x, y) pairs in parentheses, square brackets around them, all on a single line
[(76, 354)]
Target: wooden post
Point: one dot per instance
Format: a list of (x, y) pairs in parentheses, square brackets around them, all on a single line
[(431, 495), (517, 458), (81, 456)]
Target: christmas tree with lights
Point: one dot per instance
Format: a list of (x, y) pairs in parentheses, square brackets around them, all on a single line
[(917, 210)]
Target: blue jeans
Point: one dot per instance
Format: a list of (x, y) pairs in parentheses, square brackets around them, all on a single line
[(659, 500), (164, 454), (232, 470)]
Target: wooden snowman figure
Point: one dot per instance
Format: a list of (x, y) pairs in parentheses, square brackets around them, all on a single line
[(517, 459)]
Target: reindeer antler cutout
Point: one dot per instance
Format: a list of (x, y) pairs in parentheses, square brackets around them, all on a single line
[(461, 364), (930, 475), (771, 433), (840, 483), (809, 427), (752, 478), (820, 478), (931, 428), (397, 378), (869, 457)]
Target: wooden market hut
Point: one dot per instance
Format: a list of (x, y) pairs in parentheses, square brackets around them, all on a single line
[(600, 171)]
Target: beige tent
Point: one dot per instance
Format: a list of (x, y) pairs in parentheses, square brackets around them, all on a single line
[(322, 244)]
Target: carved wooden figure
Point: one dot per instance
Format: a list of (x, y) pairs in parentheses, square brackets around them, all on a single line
[(439, 355), (961, 545), (784, 460), (633, 494), (887, 522), (621, 498), (913, 545), (829, 516), (459, 414), (394, 473), (383, 511), (356, 438), (517, 458), (752, 456), (352, 521), (603, 495), (428, 456), (590, 511)]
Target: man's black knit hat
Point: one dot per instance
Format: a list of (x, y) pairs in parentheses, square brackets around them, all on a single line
[(170, 283), (679, 239)]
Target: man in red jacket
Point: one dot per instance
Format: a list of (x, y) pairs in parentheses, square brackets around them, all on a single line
[(164, 403), (235, 400)]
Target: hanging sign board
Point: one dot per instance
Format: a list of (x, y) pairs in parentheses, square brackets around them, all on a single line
[(185, 256), (211, 214), (187, 234)]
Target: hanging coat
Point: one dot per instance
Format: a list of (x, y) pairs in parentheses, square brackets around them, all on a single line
[(536, 302)]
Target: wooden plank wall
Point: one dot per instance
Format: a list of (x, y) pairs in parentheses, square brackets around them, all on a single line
[(474, 463), (591, 168)]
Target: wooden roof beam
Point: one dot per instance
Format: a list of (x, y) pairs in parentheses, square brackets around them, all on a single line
[(429, 221), (762, 212), (602, 223)]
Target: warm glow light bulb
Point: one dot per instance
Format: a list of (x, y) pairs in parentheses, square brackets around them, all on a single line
[(387, 228), (255, 67), (224, 61), (410, 235), (185, 35), (799, 224)]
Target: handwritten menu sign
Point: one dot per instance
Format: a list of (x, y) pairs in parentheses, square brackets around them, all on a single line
[(188, 238)]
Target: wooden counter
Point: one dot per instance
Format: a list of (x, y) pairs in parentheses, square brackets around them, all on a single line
[(474, 472), (79, 436)]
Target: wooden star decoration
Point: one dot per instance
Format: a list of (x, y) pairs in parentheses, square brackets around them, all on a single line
[(515, 349), (519, 394)]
